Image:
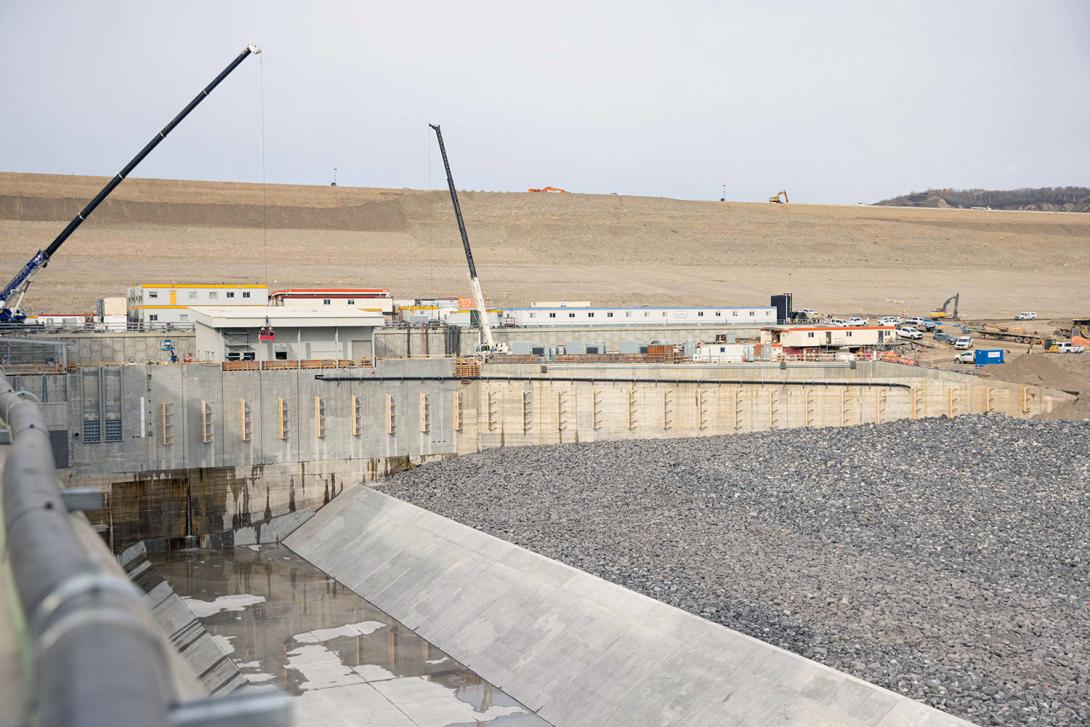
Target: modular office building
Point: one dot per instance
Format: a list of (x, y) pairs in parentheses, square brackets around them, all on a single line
[(640, 316), (161, 305)]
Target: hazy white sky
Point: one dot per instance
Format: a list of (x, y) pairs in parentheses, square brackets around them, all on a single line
[(834, 101)]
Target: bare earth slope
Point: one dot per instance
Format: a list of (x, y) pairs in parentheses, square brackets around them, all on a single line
[(607, 248)]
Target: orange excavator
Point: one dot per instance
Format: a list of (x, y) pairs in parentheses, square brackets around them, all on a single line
[(548, 189)]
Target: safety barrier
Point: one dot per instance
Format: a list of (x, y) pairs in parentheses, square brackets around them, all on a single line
[(97, 656)]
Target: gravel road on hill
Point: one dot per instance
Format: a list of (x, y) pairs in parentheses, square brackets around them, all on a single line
[(948, 560)]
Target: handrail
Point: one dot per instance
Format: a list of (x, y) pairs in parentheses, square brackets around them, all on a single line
[(97, 656)]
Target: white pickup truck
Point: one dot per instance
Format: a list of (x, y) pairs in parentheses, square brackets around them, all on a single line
[(1066, 347)]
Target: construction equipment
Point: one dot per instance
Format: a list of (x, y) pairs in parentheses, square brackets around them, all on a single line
[(547, 189), (488, 346), (11, 296), (780, 197), (945, 314)]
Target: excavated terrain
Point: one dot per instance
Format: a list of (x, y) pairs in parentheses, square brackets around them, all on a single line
[(948, 560), (610, 249)]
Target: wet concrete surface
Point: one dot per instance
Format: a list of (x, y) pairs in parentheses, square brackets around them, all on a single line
[(288, 624)]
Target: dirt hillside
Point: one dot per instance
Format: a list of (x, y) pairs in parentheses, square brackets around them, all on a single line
[(605, 248)]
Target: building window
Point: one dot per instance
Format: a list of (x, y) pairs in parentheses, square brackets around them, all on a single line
[(325, 301), (213, 295), (153, 317), (646, 313), (351, 302), (752, 313), (192, 295), (810, 334), (590, 315), (230, 294), (628, 314), (700, 314), (664, 314), (153, 294), (533, 315), (245, 294), (571, 315), (849, 334), (734, 313), (281, 355), (718, 313), (184, 317), (609, 315), (551, 315)]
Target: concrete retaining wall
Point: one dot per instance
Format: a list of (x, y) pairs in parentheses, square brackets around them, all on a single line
[(575, 648), (202, 450)]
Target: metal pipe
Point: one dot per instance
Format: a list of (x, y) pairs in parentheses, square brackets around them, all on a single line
[(97, 656), (618, 380)]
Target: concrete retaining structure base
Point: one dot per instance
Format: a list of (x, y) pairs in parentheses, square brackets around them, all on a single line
[(571, 646)]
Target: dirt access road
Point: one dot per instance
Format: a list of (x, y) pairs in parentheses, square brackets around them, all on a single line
[(605, 248)]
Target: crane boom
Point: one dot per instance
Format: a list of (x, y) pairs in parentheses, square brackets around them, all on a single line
[(19, 284), (474, 281)]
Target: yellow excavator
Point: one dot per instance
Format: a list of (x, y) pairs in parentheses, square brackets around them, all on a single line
[(779, 198), (944, 313)]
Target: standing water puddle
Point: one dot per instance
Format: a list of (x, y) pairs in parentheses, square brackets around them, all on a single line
[(284, 622)]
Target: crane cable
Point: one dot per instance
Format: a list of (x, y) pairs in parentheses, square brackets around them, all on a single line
[(264, 192), (264, 197)]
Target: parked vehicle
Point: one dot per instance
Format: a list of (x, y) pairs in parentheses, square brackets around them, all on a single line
[(910, 333), (857, 321), (945, 337), (838, 322), (914, 321), (1026, 316), (965, 357), (808, 313), (932, 326), (889, 321), (963, 342), (1066, 347)]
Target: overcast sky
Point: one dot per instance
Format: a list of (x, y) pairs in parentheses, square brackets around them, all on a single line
[(834, 101)]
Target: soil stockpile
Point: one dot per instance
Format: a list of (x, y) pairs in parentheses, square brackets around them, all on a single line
[(612, 250), (948, 560)]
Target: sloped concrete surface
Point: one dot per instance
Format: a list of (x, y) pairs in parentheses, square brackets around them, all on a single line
[(575, 648)]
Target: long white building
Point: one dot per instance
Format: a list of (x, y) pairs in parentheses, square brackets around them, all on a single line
[(367, 299), (649, 316)]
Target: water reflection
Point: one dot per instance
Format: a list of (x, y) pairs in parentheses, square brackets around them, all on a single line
[(285, 622)]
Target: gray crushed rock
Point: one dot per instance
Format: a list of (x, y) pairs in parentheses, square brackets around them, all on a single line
[(947, 560)]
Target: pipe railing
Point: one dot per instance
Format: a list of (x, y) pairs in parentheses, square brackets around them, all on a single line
[(97, 656)]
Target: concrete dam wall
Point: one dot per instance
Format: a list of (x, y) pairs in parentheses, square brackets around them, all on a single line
[(192, 451), (570, 646)]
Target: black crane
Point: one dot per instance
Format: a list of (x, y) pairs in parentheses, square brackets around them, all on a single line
[(17, 287)]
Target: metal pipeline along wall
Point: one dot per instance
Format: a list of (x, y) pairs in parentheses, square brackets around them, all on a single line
[(94, 653)]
